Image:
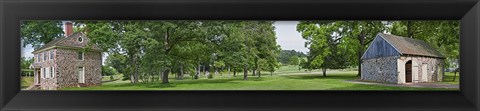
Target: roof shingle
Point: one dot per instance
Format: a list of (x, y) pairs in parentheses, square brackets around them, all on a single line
[(409, 46)]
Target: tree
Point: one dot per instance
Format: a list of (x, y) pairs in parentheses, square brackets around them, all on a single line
[(38, 33), (108, 71), (294, 60), (325, 37), (116, 61), (302, 63), (25, 65)]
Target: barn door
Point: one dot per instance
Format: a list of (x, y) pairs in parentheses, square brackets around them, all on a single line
[(408, 72)]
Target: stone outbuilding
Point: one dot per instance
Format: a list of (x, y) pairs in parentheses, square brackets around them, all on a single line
[(67, 62), (398, 60)]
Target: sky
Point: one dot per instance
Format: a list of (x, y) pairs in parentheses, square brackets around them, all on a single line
[(287, 37)]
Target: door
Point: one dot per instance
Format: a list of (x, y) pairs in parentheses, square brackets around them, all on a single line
[(81, 75), (408, 72), (38, 76)]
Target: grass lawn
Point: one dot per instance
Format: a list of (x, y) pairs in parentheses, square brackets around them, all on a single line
[(26, 82), (448, 78), (286, 78)]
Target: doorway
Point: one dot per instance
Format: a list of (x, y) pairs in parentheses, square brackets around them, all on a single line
[(81, 75), (38, 75), (408, 72)]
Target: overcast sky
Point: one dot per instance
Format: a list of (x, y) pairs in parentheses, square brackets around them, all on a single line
[(287, 37)]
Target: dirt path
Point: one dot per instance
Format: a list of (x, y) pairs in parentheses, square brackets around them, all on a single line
[(422, 85)]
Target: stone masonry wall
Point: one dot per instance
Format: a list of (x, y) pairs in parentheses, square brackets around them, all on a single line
[(381, 69), (46, 83), (68, 68)]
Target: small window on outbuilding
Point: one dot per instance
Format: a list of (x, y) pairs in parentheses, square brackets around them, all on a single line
[(80, 55)]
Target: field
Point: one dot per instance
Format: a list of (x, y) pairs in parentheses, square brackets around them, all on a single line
[(286, 78)]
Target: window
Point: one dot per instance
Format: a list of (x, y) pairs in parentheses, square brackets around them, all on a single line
[(44, 56), (80, 55), (51, 55), (51, 72), (80, 39), (39, 57), (43, 73)]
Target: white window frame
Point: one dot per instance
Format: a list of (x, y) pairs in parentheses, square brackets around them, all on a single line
[(83, 55), (50, 72), (45, 56), (51, 55)]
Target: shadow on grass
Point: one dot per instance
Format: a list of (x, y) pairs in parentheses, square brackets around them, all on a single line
[(176, 83), (365, 87), (319, 76)]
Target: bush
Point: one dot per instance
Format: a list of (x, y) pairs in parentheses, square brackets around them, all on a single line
[(108, 71)]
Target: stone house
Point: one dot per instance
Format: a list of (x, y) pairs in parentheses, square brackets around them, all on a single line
[(398, 60), (67, 62)]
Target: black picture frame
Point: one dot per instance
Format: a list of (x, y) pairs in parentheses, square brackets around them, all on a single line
[(13, 99)]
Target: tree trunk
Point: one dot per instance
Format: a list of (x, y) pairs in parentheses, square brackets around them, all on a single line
[(234, 73), (245, 72), (197, 72), (454, 76), (324, 70), (255, 68), (409, 29), (204, 72), (259, 73), (180, 74), (361, 39), (229, 71), (271, 73), (135, 69), (165, 76)]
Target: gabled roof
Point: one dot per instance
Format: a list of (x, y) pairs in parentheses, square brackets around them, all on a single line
[(58, 42), (409, 46)]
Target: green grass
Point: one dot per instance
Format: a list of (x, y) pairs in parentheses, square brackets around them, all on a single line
[(26, 82), (448, 78), (286, 78)]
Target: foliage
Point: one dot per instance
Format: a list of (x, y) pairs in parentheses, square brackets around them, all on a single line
[(38, 33), (294, 60), (285, 55), (108, 71)]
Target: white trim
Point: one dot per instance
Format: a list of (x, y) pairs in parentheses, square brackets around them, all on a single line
[(53, 72)]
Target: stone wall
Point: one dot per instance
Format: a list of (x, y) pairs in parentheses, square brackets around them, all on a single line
[(45, 83), (68, 65), (380, 69)]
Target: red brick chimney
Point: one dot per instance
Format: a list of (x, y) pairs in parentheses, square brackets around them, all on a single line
[(68, 28)]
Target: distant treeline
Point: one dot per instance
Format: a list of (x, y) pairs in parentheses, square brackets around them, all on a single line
[(285, 56)]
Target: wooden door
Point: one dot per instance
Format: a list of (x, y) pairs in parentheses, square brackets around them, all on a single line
[(81, 75), (38, 76), (408, 72)]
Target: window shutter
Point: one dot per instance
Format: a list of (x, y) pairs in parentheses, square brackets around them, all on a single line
[(41, 73), (53, 72), (48, 72)]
